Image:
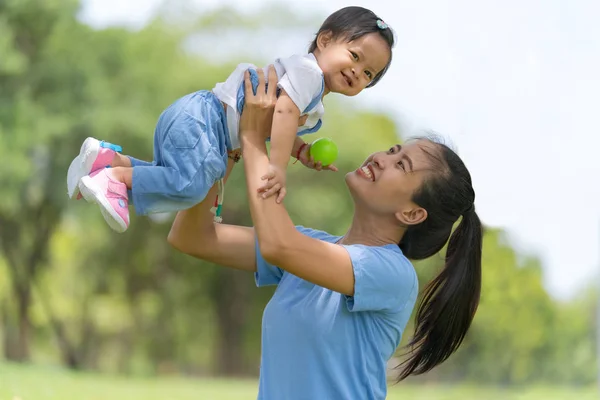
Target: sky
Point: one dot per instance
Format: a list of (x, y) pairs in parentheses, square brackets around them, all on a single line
[(513, 85)]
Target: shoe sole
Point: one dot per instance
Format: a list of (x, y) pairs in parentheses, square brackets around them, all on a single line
[(94, 194), (81, 165)]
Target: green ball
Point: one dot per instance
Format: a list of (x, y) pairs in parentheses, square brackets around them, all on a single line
[(324, 150)]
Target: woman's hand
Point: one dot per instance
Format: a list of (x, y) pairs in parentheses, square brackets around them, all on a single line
[(257, 117)]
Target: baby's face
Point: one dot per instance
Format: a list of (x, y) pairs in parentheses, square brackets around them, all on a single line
[(348, 67)]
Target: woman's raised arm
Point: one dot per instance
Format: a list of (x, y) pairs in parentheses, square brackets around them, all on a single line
[(193, 232), (280, 244)]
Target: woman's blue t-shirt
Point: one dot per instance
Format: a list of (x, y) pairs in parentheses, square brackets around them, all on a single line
[(319, 344)]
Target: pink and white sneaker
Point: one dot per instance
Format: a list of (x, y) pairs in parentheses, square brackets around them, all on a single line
[(93, 155), (111, 196)]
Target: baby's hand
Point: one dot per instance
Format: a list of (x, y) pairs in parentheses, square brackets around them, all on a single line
[(309, 162), (275, 178)]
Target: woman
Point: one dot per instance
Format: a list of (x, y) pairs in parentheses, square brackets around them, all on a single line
[(342, 303)]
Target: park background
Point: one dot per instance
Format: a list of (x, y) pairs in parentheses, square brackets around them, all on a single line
[(86, 313)]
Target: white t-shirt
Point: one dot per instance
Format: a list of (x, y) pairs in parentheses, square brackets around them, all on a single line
[(299, 75)]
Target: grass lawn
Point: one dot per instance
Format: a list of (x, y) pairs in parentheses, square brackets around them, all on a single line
[(18, 382)]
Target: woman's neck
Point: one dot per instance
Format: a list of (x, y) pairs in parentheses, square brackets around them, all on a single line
[(372, 231)]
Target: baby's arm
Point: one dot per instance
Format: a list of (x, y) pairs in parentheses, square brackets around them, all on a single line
[(301, 84), (298, 143), (283, 138), (283, 132)]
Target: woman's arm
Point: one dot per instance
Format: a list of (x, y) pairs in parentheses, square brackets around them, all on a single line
[(280, 244), (193, 232)]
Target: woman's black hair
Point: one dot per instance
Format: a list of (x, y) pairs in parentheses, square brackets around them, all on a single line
[(351, 23), (451, 299)]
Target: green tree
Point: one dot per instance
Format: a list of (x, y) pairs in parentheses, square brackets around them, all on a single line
[(30, 130)]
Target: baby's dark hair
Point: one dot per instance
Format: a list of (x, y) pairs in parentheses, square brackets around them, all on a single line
[(353, 22)]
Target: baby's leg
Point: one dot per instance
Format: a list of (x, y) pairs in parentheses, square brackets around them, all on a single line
[(94, 155), (190, 156), (159, 189), (153, 189)]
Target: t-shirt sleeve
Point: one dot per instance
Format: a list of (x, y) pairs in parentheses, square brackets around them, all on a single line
[(302, 81), (268, 274), (384, 280)]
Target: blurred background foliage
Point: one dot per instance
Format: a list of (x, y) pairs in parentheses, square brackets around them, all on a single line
[(74, 292)]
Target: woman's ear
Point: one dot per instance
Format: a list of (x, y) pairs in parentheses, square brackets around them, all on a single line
[(412, 216)]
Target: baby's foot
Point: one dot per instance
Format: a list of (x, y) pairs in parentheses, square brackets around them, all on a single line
[(111, 196), (93, 155)]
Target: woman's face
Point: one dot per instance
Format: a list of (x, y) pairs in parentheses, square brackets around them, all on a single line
[(385, 183)]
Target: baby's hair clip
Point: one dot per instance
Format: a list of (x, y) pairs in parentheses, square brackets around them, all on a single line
[(381, 24)]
